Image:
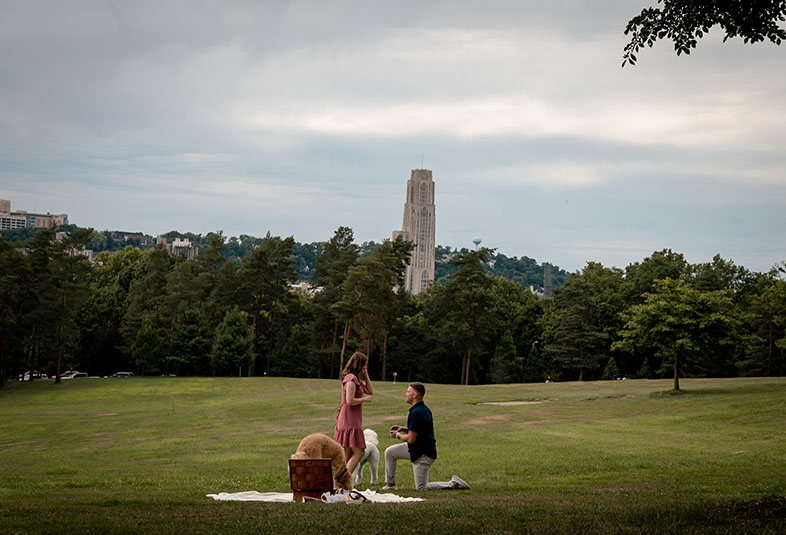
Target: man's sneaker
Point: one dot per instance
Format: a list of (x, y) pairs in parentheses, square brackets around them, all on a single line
[(389, 487), (460, 483)]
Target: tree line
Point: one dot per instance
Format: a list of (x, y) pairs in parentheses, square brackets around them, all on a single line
[(153, 313)]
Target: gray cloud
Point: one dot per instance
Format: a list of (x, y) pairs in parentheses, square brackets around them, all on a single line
[(298, 117)]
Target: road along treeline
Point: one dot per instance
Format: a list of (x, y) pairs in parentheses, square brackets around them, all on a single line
[(154, 313)]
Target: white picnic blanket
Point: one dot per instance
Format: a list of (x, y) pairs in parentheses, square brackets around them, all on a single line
[(281, 497)]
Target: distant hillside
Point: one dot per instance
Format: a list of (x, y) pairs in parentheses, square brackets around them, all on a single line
[(524, 270)]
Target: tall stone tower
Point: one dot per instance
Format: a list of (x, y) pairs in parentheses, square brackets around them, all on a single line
[(419, 226)]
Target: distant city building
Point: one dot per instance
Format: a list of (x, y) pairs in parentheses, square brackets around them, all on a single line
[(178, 246), (8, 221), (144, 239), (419, 226), (11, 220)]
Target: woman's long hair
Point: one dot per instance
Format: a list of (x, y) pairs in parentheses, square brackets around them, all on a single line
[(354, 364)]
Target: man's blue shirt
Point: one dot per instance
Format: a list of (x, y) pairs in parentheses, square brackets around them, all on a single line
[(421, 422)]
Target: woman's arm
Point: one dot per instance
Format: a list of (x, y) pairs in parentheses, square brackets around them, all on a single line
[(349, 392), (368, 388)]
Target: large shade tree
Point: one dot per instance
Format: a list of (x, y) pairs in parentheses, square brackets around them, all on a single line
[(688, 329)]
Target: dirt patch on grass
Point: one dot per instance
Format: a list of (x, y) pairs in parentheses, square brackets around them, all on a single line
[(515, 403), (16, 445), (614, 396), (546, 422), (487, 420), (622, 488)]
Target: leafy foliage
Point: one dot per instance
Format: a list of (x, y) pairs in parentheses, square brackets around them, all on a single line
[(155, 313), (683, 327), (684, 22)]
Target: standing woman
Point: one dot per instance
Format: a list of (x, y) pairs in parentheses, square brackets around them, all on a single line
[(356, 389)]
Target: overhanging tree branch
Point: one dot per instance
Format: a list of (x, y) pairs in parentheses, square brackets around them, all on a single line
[(684, 22)]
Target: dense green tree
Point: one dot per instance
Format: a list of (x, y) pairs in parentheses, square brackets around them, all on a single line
[(331, 268), (516, 311), (190, 344), (720, 274), (369, 299), (147, 349), (13, 274), (461, 309), (414, 350), (608, 288), (69, 268), (576, 342), (233, 344), (228, 291), (690, 331), (147, 294), (212, 256), (266, 276), (38, 348), (687, 21), (535, 367), (506, 367), (766, 327), (188, 286), (640, 277), (101, 317)]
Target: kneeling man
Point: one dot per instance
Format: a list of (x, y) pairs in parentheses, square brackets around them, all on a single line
[(419, 445)]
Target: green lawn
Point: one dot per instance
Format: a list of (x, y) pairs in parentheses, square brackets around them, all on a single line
[(139, 455)]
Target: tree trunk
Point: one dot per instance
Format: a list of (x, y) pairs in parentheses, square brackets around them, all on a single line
[(333, 348), (59, 342), (3, 356), (347, 328), (676, 374), (270, 346), (769, 352), (469, 361), (253, 340), (384, 356)]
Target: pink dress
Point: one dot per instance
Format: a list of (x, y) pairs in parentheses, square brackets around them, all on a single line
[(349, 432)]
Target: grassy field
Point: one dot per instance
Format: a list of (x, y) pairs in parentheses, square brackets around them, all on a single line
[(139, 455)]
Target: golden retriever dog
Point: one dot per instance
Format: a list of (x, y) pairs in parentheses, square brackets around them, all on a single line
[(319, 446)]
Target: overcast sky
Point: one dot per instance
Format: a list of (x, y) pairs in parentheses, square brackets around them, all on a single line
[(299, 117)]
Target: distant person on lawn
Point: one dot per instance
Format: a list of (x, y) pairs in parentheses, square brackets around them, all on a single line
[(419, 445)]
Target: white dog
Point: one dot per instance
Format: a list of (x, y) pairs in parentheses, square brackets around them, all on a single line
[(371, 457)]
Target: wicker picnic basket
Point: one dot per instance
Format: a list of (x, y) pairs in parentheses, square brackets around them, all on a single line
[(310, 477)]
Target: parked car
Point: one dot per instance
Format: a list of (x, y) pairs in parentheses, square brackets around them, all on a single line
[(122, 374), (68, 374), (79, 375), (35, 373)]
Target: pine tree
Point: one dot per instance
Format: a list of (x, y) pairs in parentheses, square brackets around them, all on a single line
[(611, 372)]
